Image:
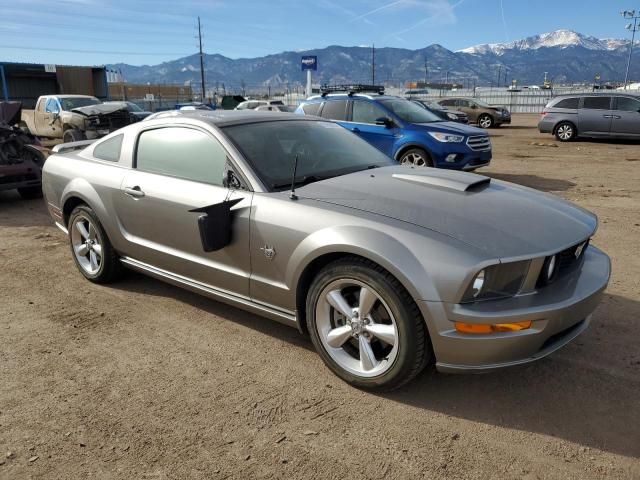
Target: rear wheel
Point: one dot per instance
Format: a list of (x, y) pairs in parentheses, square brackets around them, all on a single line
[(565, 131), (485, 120), (365, 326), (416, 157), (91, 249)]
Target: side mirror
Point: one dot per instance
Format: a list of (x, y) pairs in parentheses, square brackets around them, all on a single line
[(385, 121), (231, 181)]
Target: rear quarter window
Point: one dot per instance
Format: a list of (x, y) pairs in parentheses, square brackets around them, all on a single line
[(597, 103), (567, 103), (109, 149), (311, 108)]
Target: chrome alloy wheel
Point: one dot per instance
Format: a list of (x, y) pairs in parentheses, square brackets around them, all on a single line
[(565, 132), (414, 159), (485, 121), (356, 328), (87, 245)]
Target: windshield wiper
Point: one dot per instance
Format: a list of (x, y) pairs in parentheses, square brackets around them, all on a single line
[(303, 181)]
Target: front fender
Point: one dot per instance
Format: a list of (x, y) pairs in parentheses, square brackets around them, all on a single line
[(382, 248)]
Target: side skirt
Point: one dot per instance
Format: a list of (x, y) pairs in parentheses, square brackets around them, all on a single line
[(285, 317)]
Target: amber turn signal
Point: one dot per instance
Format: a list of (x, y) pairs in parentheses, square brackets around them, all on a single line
[(488, 328)]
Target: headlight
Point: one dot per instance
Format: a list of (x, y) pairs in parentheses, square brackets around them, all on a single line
[(446, 137), (452, 116), (549, 270), (497, 281)]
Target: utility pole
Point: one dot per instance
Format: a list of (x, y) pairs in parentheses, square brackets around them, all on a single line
[(426, 71), (499, 72), (201, 60), (634, 27), (373, 64)]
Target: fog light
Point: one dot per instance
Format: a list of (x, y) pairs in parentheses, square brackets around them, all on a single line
[(451, 157), (491, 328)]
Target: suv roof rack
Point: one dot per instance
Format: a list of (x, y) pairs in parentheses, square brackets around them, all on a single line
[(351, 89)]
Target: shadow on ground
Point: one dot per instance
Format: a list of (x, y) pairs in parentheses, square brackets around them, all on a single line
[(561, 396), (534, 181)]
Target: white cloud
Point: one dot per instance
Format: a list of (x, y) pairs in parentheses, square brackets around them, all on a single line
[(439, 12)]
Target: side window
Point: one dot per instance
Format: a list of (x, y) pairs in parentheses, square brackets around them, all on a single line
[(52, 106), (367, 112), (627, 104), (311, 108), (448, 103), (597, 103), (568, 103), (109, 149), (335, 110), (463, 103), (181, 152)]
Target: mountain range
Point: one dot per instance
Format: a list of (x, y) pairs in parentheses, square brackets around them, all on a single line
[(567, 56)]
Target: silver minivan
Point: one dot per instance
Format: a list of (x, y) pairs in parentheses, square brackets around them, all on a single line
[(613, 115)]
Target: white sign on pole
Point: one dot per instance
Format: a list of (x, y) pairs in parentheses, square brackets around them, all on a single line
[(149, 97), (50, 68)]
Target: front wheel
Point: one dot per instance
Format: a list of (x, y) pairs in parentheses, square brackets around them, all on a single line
[(485, 121), (416, 157), (365, 326), (91, 249)]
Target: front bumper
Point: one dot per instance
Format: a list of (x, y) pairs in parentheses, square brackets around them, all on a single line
[(559, 312), (465, 158)]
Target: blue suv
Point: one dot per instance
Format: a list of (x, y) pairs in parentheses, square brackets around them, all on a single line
[(403, 130)]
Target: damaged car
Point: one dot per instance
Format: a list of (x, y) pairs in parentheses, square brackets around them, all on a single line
[(73, 118), (21, 157), (387, 267)]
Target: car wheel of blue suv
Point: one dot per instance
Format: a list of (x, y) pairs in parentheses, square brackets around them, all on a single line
[(416, 157)]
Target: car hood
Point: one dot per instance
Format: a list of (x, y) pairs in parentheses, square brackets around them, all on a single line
[(450, 127), (503, 220), (99, 109)]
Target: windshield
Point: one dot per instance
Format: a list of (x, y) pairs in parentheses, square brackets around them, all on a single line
[(133, 107), (482, 104), (409, 111), (324, 150), (69, 103)]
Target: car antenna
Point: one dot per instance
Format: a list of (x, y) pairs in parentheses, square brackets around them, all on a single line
[(293, 195)]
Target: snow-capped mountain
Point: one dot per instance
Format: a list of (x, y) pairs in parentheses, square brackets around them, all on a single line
[(566, 56), (559, 38)]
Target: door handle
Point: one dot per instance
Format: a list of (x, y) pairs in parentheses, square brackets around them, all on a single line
[(607, 116), (617, 117), (135, 192)]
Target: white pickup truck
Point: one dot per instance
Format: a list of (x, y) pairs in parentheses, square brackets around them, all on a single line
[(74, 117)]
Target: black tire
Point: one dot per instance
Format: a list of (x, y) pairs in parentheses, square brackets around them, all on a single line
[(72, 135), (416, 157), (110, 267), (486, 121), (565, 131), (29, 193), (414, 347)]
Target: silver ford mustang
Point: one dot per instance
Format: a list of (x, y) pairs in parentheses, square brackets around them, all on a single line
[(386, 267)]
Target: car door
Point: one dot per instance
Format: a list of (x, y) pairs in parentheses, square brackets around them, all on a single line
[(177, 169), (625, 120), (594, 116), (364, 115), (46, 114), (467, 107)]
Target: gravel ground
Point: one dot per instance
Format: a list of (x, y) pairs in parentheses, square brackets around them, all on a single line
[(144, 380)]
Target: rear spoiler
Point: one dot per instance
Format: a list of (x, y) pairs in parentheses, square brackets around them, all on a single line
[(71, 146)]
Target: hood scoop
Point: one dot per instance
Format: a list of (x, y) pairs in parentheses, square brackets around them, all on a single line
[(460, 181)]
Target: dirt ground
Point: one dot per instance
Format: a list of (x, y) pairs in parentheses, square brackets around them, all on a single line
[(141, 380)]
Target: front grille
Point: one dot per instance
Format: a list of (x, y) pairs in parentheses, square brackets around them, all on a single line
[(479, 143)]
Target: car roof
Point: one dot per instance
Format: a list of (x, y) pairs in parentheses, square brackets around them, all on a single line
[(597, 94), (70, 96), (225, 118)]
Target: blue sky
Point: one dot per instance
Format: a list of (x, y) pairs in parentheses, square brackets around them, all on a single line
[(151, 31)]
